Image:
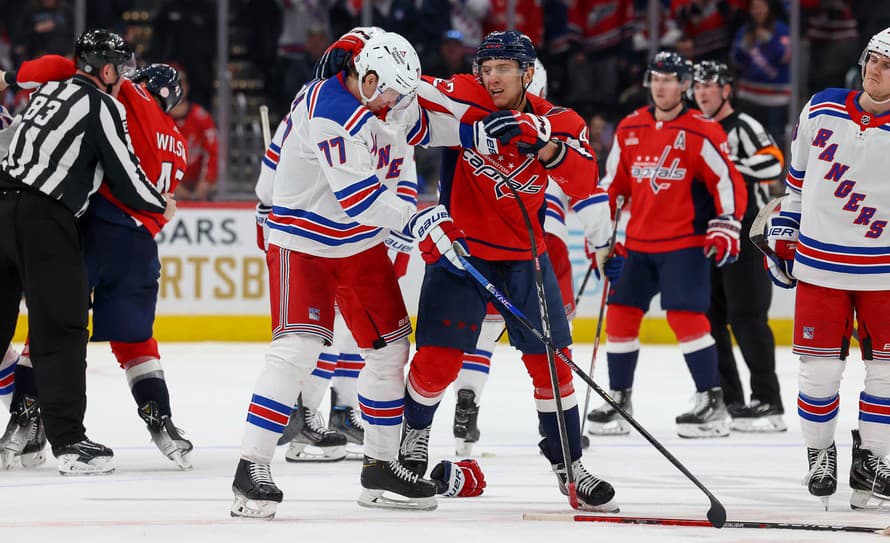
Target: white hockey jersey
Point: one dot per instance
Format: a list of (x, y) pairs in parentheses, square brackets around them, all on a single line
[(337, 177), (837, 180)]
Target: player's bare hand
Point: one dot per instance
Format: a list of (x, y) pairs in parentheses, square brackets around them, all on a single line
[(171, 206)]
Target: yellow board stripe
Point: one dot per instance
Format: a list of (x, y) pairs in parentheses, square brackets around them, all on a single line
[(257, 328)]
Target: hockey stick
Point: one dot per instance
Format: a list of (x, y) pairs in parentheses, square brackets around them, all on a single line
[(264, 124), (716, 513), (619, 206), (757, 235), (664, 521), (561, 425)]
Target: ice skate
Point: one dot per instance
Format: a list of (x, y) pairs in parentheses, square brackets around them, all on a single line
[(466, 430), (166, 436), (821, 480), (606, 421), (346, 420), (758, 417), (85, 458), (708, 418), (414, 449), (256, 495), (312, 441), (390, 485), (869, 478), (24, 440), (594, 494)]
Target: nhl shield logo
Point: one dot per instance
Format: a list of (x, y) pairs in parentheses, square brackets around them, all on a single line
[(866, 120)]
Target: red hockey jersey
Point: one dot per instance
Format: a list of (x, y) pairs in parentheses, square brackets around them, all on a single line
[(475, 187), (200, 133), (677, 176), (157, 143)]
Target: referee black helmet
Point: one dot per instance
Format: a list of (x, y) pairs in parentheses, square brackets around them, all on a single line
[(98, 47)]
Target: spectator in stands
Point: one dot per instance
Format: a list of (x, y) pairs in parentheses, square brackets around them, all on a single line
[(185, 32), (44, 27), (199, 130), (762, 54), (450, 58), (834, 42), (464, 16), (600, 133), (529, 19), (707, 26)]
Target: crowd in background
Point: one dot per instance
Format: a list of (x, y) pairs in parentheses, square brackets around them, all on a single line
[(594, 50)]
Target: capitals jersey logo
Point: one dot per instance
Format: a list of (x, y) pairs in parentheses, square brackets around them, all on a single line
[(506, 172), (658, 172)]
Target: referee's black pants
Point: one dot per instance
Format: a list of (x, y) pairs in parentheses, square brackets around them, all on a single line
[(741, 294), (40, 256)]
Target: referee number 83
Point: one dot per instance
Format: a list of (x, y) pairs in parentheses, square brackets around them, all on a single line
[(37, 104)]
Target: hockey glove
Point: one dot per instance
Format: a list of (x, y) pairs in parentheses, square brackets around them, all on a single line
[(527, 131), (400, 252), (782, 234), (722, 240), (436, 234), (463, 479), (262, 229), (482, 142), (609, 263), (337, 56)]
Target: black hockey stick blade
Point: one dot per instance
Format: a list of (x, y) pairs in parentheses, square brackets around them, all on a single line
[(717, 513), (698, 523), (757, 235)]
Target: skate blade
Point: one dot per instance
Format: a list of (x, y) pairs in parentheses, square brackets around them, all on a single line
[(32, 460), (611, 428), (355, 451), (463, 447), (383, 499), (182, 459), (773, 423), (610, 506), (299, 452), (703, 431), (70, 466), (244, 507), (863, 500)]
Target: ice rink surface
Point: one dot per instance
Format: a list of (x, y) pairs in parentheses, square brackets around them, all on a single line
[(757, 477)]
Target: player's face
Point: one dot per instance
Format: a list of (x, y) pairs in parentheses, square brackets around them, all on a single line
[(504, 81), (667, 91), (877, 76), (709, 96), (385, 99)]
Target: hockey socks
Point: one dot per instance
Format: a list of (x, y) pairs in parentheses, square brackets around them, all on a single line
[(622, 366), (701, 359), (551, 430)]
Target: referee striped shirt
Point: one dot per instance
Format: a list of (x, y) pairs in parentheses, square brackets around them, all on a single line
[(755, 154), (71, 137)]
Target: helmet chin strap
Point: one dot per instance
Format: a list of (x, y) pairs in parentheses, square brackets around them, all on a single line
[(876, 102)]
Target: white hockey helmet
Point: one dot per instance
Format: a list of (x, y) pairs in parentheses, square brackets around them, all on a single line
[(394, 60), (538, 86), (879, 43)]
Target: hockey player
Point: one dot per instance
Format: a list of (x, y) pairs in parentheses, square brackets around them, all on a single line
[(829, 237), (741, 293), (686, 200), (476, 364), (124, 290), (333, 204), (506, 145)]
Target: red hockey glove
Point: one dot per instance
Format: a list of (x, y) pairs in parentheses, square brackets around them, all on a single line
[(400, 252), (336, 57), (527, 131), (722, 240), (436, 235), (463, 479), (262, 229)]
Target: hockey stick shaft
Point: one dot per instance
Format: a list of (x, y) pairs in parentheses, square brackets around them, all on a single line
[(716, 513), (562, 427), (265, 126), (619, 206), (665, 521)]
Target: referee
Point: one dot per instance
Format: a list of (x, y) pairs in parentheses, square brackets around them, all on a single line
[(741, 293), (72, 135)]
